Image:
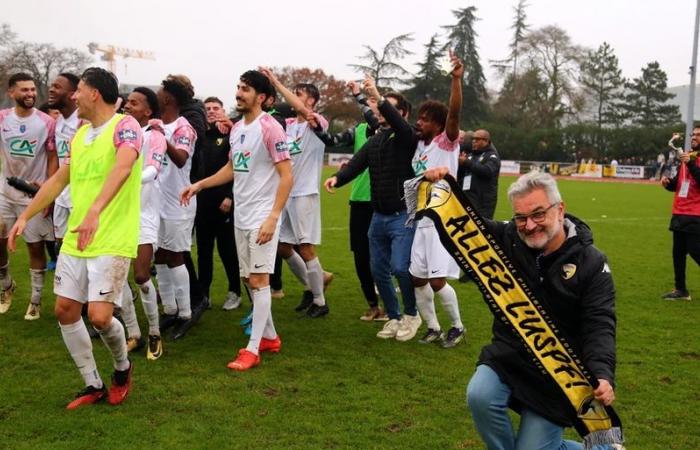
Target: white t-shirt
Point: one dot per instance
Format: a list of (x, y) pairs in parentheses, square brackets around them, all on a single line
[(24, 143), (174, 180), (255, 149), (306, 150), (440, 152), (65, 130)]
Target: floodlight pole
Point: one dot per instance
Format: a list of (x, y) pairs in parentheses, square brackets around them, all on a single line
[(690, 118)]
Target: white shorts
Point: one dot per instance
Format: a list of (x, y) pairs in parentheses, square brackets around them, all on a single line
[(429, 259), (301, 221), (60, 221), (148, 233), (38, 229), (175, 235), (97, 279), (253, 257)]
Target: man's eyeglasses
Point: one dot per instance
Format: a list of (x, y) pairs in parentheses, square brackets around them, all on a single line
[(537, 216)]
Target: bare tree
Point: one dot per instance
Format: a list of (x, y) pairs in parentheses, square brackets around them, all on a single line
[(382, 64)]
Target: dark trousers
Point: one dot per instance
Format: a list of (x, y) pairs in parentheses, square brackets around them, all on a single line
[(684, 244), (213, 225), (360, 219), (276, 277)]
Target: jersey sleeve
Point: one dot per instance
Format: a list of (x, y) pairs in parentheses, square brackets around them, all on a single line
[(157, 147), (128, 133), (322, 122), (51, 137), (184, 137), (274, 139), (444, 142)]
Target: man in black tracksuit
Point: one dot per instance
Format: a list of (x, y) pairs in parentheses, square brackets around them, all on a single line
[(478, 173), (554, 253), (214, 219)]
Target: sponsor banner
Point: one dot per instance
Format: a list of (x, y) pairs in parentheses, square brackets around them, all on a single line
[(629, 172), (510, 168), (589, 169), (337, 159)]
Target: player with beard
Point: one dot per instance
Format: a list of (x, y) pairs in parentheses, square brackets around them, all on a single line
[(142, 105), (263, 179), (28, 152)]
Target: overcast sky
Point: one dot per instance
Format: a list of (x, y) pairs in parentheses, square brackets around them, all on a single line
[(213, 42)]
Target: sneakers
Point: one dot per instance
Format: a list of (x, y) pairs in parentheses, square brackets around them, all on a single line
[(233, 301), (33, 312), (277, 294), (121, 383), (182, 326), (381, 316), (327, 278), (135, 344), (88, 396), (166, 321), (306, 300), (248, 330), (389, 330), (247, 320), (6, 297), (454, 337), (432, 336), (244, 361), (409, 327), (315, 311), (370, 314), (155, 347), (270, 345), (677, 295)]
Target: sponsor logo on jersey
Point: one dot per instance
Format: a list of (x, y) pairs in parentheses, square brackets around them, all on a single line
[(295, 146), (63, 148), (241, 160), (23, 147), (420, 165), (184, 140), (281, 147), (127, 135)]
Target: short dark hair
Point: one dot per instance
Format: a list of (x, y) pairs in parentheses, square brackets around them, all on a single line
[(104, 81), (402, 104), (17, 77), (72, 79), (180, 87), (434, 111), (310, 89), (214, 100), (257, 81), (151, 99)]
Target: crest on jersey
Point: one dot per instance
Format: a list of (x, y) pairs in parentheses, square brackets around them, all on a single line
[(568, 271), (242, 138), (219, 141), (22, 128)]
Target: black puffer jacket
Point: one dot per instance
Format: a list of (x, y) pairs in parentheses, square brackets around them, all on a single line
[(388, 156), (575, 286), (483, 167)]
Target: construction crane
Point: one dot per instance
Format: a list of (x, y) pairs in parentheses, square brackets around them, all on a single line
[(110, 53)]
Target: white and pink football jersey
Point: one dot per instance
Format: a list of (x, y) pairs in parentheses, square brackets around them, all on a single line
[(306, 150), (24, 143), (172, 179), (65, 130), (440, 152), (153, 151), (255, 149)]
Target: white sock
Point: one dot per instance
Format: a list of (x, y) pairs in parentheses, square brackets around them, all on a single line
[(181, 283), (77, 340), (165, 287), (114, 339), (149, 301), (315, 275), (449, 301), (5, 278), (269, 332), (129, 312), (262, 309), (298, 268), (37, 280), (426, 305)]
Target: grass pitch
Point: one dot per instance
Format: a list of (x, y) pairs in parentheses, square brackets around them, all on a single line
[(335, 385)]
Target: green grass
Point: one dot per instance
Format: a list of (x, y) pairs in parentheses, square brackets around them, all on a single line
[(335, 385)]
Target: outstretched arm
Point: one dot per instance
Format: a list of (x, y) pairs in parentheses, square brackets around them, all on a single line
[(223, 176), (288, 95), (455, 106)]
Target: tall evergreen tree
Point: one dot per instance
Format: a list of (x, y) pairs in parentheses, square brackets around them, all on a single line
[(602, 80), (462, 38), (429, 82), (519, 28), (645, 101)]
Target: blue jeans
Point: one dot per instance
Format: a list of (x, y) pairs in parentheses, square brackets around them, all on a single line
[(487, 397), (390, 253)]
